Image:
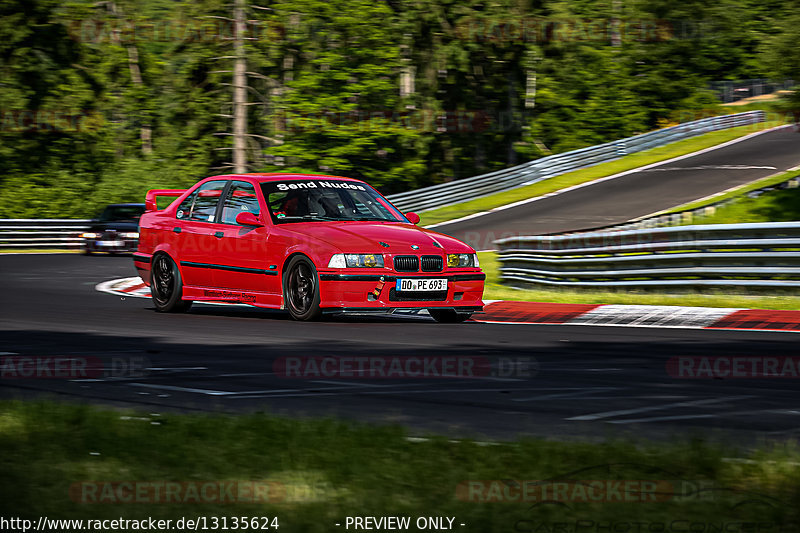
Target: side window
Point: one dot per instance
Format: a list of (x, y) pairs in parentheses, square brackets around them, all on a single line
[(241, 199), (185, 209), (206, 199)]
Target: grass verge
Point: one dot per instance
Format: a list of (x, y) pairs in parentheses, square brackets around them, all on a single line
[(578, 177), (40, 251), (773, 206), (329, 470), (495, 291), (737, 192), (779, 205)]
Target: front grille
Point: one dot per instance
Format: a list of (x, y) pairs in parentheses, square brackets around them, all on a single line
[(419, 296), (406, 263), (432, 263)]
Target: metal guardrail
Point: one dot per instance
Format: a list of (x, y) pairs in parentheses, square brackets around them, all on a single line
[(42, 233), (547, 167), (723, 255)]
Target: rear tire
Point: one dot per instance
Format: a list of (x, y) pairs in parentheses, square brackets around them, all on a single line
[(448, 316), (166, 286), (301, 289)]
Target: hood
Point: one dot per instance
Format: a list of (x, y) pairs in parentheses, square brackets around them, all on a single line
[(365, 237)]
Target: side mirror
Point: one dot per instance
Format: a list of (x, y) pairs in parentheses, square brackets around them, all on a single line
[(413, 218), (246, 218)]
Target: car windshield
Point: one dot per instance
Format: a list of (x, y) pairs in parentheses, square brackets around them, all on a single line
[(122, 213), (326, 200)]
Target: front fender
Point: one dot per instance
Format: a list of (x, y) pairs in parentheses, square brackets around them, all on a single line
[(319, 255)]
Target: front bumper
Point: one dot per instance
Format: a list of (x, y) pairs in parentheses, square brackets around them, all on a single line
[(398, 311), (377, 291)]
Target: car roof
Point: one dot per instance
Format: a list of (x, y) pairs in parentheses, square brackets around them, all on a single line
[(281, 176)]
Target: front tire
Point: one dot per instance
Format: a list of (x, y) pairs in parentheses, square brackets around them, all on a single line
[(166, 286), (301, 289), (448, 316)]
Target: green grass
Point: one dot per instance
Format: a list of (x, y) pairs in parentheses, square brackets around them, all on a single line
[(773, 206), (331, 469), (737, 192), (585, 175), (496, 291)]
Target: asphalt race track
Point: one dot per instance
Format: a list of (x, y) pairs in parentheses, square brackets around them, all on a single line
[(637, 194), (569, 381)]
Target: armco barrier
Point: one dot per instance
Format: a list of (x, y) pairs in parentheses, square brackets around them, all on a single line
[(540, 169), (42, 233), (722, 255)]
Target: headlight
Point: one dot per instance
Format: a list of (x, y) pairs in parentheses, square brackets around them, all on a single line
[(131, 235), (356, 260), (462, 260), (90, 235)]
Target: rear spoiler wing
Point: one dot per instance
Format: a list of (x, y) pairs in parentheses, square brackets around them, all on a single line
[(153, 194)]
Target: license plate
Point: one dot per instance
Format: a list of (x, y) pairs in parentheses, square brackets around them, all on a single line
[(420, 285), (109, 243)]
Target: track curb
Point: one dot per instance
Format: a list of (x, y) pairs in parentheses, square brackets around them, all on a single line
[(652, 316), (659, 316)]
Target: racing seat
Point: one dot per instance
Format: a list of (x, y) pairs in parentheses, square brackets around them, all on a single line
[(296, 204), (327, 206)]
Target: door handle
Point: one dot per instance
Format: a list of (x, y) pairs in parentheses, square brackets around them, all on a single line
[(176, 229), (219, 234)]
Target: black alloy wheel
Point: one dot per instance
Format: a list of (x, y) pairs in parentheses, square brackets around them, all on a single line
[(301, 289), (166, 285)]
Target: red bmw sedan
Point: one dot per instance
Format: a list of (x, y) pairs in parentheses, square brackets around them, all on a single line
[(309, 244)]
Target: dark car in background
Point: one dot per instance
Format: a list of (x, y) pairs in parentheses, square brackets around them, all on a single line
[(116, 230)]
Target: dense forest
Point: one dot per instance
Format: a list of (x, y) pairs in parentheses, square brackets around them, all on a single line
[(101, 100)]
